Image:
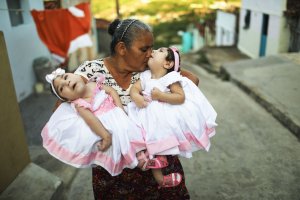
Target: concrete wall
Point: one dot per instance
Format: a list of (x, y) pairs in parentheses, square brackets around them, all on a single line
[(225, 29), (23, 46), (249, 39), (284, 39), (278, 32), (14, 153)]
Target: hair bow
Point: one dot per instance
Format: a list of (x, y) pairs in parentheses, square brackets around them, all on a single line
[(52, 76)]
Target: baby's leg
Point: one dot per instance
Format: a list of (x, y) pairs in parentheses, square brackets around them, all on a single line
[(158, 176), (170, 180)]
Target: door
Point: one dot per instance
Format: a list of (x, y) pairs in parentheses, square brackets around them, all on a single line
[(264, 35)]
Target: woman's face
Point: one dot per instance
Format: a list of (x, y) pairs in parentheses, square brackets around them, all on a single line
[(138, 54), (69, 86)]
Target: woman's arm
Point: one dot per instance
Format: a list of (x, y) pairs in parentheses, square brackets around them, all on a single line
[(190, 76), (136, 96), (96, 126), (176, 96), (113, 93)]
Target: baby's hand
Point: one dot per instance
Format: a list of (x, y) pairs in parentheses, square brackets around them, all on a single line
[(140, 102), (155, 93), (105, 143)]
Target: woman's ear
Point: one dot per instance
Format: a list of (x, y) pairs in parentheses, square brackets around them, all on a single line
[(121, 48)]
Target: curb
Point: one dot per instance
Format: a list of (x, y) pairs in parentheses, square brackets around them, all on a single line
[(34, 182), (276, 113)]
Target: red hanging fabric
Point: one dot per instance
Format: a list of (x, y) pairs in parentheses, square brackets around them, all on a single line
[(58, 28)]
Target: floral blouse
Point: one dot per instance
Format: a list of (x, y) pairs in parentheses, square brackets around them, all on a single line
[(91, 69)]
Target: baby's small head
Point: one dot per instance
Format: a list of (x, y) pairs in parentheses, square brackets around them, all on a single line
[(173, 56), (50, 79), (166, 59), (66, 86)]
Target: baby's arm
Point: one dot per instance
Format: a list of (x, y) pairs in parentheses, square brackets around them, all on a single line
[(176, 96), (136, 96), (113, 93), (96, 126)]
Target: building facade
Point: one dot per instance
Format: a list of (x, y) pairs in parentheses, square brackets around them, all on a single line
[(263, 28), (225, 28), (22, 42)]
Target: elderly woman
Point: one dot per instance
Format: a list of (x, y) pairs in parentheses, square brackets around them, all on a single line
[(131, 47)]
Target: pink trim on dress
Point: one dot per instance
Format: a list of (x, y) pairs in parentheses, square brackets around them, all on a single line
[(106, 105), (203, 142), (98, 157), (162, 145)]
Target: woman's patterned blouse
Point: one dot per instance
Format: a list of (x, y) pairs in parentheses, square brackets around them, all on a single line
[(92, 69)]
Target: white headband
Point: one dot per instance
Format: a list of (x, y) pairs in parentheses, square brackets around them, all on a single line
[(50, 78)]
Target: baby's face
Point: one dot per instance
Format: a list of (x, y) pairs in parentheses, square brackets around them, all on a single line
[(158, 58), (69, 86)]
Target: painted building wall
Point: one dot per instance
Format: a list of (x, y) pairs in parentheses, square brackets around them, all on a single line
[(225, 29), (23, 46), (278, 33), (249, 39)]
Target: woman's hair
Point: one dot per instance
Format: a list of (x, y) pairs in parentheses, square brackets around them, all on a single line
[(171, 57), (126, 31)]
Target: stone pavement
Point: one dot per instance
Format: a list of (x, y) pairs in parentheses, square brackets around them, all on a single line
[(274, 79)]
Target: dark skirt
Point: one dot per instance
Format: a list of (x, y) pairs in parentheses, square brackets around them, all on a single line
[(137, 184)]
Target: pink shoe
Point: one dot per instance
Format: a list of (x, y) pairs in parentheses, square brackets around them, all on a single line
[(171, 180), (157, 163)]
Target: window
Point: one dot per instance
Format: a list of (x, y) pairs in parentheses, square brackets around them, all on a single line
[(247, 19), (15, 12)]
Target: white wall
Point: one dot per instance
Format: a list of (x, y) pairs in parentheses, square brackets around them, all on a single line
[(278, 32), (249, 39), (272, 7), (225, 26), (23, 46)]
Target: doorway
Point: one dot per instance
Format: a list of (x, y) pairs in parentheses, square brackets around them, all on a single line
[(264, 35)]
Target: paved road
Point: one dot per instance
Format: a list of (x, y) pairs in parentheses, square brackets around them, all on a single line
[(252, 156)]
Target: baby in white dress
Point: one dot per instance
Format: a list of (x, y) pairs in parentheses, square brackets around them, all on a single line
[(90, 127), (175, 116)]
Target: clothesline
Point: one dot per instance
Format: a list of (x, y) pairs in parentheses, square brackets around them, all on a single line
[(17, 10)]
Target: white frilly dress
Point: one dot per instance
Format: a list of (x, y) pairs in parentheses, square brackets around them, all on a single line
[(174, 129), (68, 138)]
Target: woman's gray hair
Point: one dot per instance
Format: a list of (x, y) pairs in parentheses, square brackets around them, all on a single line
[(126, 31)]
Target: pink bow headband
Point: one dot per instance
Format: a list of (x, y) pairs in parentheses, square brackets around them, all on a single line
[(176, 57), (50, 78)]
